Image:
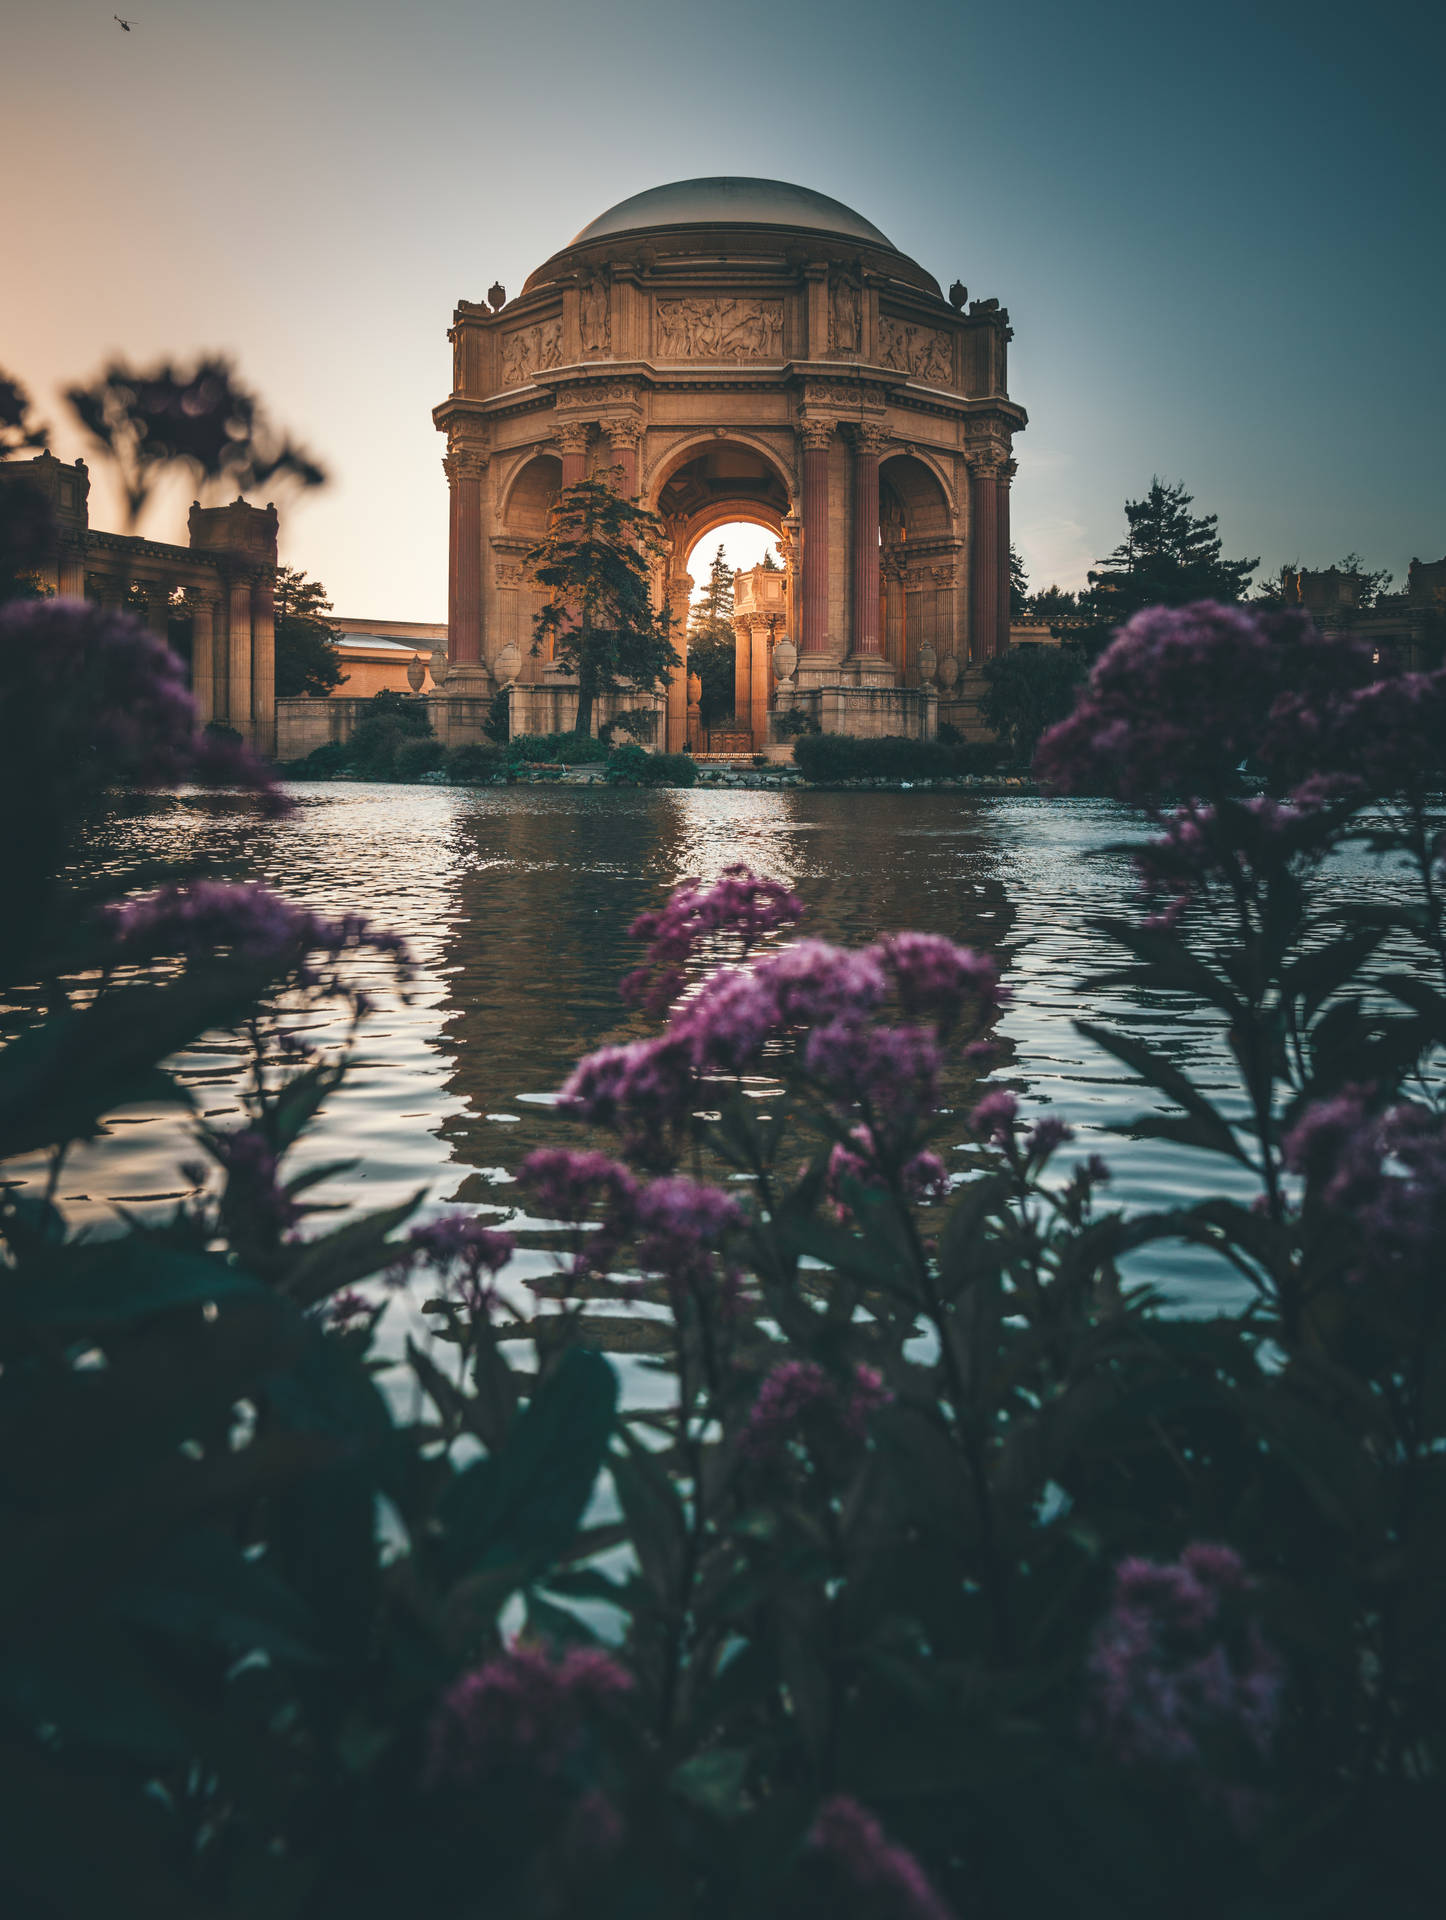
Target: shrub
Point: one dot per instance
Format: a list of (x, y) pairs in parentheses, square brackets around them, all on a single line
[(389, 719), (414, 757), (827, 757), (498, 724), (561, 749), (322, 763), (794, 722), (1026, 690), (475, 764), (632, 764)]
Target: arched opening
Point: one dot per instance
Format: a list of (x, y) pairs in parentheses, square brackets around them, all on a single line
[(525, 512), (723, 492), (914, 606), (531, 495)]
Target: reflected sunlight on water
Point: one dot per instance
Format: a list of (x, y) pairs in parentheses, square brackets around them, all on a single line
[(516, 902)]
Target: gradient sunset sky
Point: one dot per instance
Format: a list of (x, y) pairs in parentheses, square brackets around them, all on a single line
[(1218, 228)]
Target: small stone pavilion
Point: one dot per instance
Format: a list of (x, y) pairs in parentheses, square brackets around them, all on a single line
[(741, 350), (213, 601)]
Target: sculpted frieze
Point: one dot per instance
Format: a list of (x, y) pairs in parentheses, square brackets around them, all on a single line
[(531, 350), (594, 319), (923, 352), (720, 329)]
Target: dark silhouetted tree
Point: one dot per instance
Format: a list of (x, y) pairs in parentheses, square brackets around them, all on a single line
[(711, 642), (306, 657), (1169, 558), (199, 421), (1018, 586), (595, 563), (27, 526), (1027, 689)]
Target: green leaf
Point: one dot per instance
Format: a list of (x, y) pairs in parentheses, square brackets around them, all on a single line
[(523, 1504), (1159, 1072), (657, 1525), (713, 1781), (204, 1588), (117, 1280), (354, 1252)]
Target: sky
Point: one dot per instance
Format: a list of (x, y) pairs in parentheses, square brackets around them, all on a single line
[(1218, 229)]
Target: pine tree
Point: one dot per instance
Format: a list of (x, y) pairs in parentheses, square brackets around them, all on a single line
[(711, 643), (599, 614), (1018, 585), (1170, 557), (306, 659)]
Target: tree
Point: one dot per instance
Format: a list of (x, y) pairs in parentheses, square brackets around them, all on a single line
[(27, 526), (1053, 604), (770, 564), (712, 648), (306, 661), (1370, 584), (1027, 689), (1018, 585), (599, 614), (1169, 558)]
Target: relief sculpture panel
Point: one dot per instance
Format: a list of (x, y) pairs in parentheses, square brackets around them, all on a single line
[(720, 329), (531, 350), (924, 352)]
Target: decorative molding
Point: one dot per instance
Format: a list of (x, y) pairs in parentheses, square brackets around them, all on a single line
[(511, 574), (531, 350), (816, 433), (572, 435), (465, 463), (719, 329), (868, 436), (924, 353)]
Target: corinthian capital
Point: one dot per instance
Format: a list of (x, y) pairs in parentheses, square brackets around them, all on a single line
[(868, 437), (572, 436), (623, 435), (465, 463), (816, 433)]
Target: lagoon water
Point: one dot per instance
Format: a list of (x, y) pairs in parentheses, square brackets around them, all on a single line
[(516, 902)]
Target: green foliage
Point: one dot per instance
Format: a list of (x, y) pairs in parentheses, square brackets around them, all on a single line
[(498, 724), (793, 721), (389, 719), (1170, 558), (558, 749), (474, 764), (712, 648), (1027, 689), (322, 763), (828, 757), (631, 765), (1018, 585), (306, 641), (413, 758), (599, 617)]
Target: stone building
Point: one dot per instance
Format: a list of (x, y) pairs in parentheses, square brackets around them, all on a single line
[(741, 350), (213, 600)]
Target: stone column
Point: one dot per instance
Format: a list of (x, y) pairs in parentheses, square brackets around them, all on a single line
[(983, 560), (203, 654), (238, 654), (623, 436), (1001, 514), (680, 590), (742, 669), (466, 469), (762, 659), (572, 437), (70, 574), (263, 661), (868, 443), (816, 436), (158, 610)]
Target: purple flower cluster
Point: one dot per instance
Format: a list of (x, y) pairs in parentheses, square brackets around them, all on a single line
[(461, 1251), (253, 1190), (828, 1002), (522, 1710), (799, 1401), (740, 903), (878, 1878), (1164, 1673), (679, 1226), (1184, 694), (922, 1177), (90, 699), (250, 923), (1384, 1171), (995, 1116)]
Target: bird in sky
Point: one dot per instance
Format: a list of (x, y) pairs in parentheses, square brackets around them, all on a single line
[(124, 25)]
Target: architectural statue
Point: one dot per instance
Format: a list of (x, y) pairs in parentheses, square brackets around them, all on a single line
[(738, 349)]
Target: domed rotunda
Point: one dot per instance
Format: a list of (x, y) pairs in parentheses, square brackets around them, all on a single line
[(734, 349)]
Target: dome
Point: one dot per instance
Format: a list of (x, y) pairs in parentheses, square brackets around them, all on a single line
[(734, 203)]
